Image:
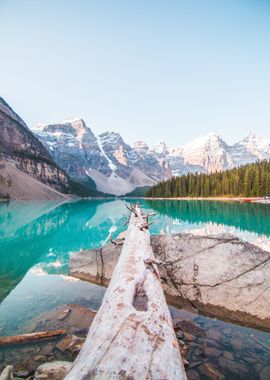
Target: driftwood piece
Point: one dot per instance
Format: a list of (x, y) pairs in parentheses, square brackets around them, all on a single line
[(132, 335), (25, 338)]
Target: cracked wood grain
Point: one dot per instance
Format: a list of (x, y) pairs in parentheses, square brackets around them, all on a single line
[(132, 335)]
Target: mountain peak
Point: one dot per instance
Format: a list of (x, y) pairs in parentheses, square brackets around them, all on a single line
[(160, 147), (251, 136), (74, 120), (111, 137), (213, 136), (141, 146), (209, 139), (74, 127)]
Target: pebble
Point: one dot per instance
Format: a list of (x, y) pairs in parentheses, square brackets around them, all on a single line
[(23, 374), (213, 373), (56, 370), (265, 373), (189, 337), (71, 343), (195, 364), (212, 352), (40, 358)]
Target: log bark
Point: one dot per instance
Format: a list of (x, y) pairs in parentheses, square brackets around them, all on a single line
[(132, 335), (25, 338)]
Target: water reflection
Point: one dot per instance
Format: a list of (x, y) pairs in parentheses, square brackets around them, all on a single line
[(252, 217), (33, 232)]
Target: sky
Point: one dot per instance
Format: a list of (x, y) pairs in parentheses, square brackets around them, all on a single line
[(148, 69)]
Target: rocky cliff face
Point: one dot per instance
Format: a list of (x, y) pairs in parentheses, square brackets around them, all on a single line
[(74, 147), (20, 148), (115, 166)]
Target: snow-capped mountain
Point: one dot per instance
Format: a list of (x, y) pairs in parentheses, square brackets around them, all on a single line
[(113, 165), (250, 149), (74, 147), (208, 153), (117, 168)]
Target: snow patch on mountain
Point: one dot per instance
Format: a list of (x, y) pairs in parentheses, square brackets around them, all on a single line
[(111, 165), (141, 147), (257, 145)]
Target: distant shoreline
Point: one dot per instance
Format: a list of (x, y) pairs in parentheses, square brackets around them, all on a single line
[(223, 199)]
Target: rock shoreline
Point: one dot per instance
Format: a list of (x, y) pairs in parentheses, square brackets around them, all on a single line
[(211, 349)]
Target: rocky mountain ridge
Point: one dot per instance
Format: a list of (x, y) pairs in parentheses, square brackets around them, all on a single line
[(119, 168), (114, 166)]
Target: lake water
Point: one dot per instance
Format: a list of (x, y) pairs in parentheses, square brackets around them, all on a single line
[(36, 239)]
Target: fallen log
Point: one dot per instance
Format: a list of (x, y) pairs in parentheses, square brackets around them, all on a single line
[(221, 276), (132, 335), (26, 338)]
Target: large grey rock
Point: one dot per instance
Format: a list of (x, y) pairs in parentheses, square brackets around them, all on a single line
[(221, 276), (53, 371)]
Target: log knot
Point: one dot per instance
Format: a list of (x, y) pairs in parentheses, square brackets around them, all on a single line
[(140, 299)]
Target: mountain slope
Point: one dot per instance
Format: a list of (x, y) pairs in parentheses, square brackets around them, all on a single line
[(106, 159), (15, 184), (21, 149)]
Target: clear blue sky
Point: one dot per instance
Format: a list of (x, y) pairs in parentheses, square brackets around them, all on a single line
[(170, 70)]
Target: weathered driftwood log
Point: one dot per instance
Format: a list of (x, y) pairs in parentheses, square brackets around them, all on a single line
[(25, 338), (221, 276), (132, 335)]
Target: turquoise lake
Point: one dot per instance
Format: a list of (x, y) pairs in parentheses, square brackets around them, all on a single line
[(36, 239)]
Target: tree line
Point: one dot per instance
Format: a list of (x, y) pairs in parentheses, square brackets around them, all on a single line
[(249, 180)]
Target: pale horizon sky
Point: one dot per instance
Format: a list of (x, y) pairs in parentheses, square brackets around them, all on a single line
[(153, 70)]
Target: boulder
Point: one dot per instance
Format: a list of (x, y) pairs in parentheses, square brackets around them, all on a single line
[(53, 371), (221, 276), (70, 343)]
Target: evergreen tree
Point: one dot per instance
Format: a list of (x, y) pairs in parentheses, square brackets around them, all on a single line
[(248, 180)]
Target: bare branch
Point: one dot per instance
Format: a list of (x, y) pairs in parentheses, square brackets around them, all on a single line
[(133, 209), (145, 226), (112, 241), (147, 216), (126, 222)]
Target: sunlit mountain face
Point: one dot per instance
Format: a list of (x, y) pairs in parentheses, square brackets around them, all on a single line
[(118, 168)]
